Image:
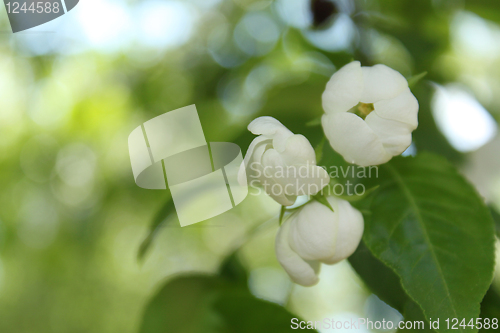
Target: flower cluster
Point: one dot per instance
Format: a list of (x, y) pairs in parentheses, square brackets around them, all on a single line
[(370, 114)]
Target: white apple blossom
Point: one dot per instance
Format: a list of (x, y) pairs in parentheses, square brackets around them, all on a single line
[(314, 235), (281, 162), (370, 113)]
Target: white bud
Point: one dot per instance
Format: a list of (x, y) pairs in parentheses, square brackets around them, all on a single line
[(370, 113), (314, 234), (283, 163)]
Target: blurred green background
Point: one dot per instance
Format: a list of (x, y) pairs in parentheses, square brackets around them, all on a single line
[(71, 217)]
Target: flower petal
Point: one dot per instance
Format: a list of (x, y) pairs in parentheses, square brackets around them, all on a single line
[(292, 180), (344, 89), (395, 136), (242, 175), (310, 180), (301, 271), (352, 138), (403, 108), (277, 192), (273, 178), (350, 230), (272, 129), (313, 232), (258, 141), (298, 150), (300, 158), (381, 82), (254, 154)]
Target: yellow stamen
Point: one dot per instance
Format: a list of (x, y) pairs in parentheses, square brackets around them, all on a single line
[(362, 109)]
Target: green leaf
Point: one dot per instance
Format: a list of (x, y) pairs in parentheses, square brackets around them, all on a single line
[(319, 149), (384, 283), (353, 198), (487, 9), (496, 219), (282, 214), (166, 209), (314, 122), (412, 81), (322, 200), (432, 228), (244, 313), (232, 269), (490, 307), (184, 305), (211, 304), (413, 313), (379, 278)]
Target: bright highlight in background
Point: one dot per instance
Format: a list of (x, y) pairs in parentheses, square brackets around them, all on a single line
[(108, 27), (164, 23), (157, 24), (462, 119)]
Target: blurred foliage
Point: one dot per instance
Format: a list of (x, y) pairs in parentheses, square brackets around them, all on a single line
[(209, 304), (205, 304)]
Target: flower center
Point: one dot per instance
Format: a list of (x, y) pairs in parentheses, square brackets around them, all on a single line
[(362, 109)]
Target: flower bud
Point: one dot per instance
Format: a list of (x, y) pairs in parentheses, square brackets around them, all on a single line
[(314, 235), (283, 163)]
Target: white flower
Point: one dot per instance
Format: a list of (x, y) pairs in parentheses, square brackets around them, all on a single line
[(315, 235), (283, 163), (352, 93)]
